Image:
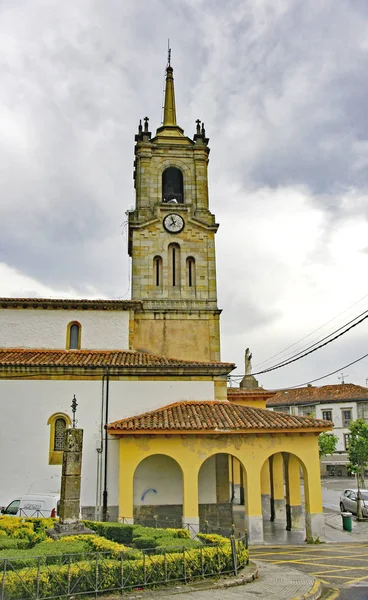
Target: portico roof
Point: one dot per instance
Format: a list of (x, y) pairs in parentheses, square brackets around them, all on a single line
[(214, 417)]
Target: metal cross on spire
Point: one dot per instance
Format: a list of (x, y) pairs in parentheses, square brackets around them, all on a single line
[(168, 53), (74, 410)]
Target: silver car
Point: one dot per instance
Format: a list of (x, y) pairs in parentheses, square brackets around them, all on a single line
[(348, 501)]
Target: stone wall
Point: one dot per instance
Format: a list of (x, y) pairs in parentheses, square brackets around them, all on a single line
[(170, 515), (217, 515)]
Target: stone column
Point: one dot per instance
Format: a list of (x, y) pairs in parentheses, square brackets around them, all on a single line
[(266, 489), (278, 492), (314, 519), (190, 500), (222, 479), (293, 496), (253, 506), (69, 512), (127, 466)]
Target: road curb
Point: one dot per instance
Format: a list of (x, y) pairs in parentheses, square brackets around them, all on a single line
[(241, 579), (313, 594)]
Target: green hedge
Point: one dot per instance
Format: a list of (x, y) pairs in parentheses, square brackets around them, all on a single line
[(128, 534), (53, 580), (7, 543), (49, 552), (117, 532)]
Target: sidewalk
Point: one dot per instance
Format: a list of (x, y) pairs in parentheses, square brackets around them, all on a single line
[(335, 532), (278, 583)]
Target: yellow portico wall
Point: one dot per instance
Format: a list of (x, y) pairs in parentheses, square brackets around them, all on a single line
[(190, 451)]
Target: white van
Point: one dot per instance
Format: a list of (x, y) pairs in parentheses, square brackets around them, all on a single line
[(33, 505)]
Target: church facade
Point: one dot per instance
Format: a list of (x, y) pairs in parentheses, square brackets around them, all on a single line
[(164, 438)]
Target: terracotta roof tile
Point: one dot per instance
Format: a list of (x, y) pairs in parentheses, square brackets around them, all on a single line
[(31, 357), (246, 393), (326, 393), (213, 416)]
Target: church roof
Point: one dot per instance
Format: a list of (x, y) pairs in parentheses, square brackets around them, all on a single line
[(315, 395), (34, 357), (69, 303), (213, 416)]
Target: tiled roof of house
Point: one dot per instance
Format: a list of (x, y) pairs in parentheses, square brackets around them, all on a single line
[(68, 303), (213, 416), (326, 393), (31, 357), (247, 393)]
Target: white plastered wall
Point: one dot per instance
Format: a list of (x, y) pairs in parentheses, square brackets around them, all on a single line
[(37, 328), (158, 480), (207, 482), (336, 408), (25, 407)]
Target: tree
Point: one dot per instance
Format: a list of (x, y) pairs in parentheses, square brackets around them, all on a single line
[(327, 443), (358, 455)]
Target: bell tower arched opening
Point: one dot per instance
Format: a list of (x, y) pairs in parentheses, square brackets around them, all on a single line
[(172, 186)]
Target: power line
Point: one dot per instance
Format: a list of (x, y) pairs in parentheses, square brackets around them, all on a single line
[(314, 331), (329, 374), (288, 362), (323, 339)]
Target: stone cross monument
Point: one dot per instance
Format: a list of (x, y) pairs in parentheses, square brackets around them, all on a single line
[(69, 512)]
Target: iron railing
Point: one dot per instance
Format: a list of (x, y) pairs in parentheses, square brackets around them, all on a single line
[(63, 576)]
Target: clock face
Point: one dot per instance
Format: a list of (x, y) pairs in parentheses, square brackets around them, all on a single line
[(173, 223)]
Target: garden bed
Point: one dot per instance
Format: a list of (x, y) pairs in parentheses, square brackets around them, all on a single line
[(118, 558)]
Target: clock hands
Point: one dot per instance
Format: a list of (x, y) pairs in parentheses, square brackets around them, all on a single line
[(173, 223)]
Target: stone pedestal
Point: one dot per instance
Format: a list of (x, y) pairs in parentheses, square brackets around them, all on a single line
[(266, 505), (315, 526), (255, 529), (297, 518), (69, 511), (191, 523), (280, 510)]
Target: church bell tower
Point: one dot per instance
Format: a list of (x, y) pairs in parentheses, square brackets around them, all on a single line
[(172, 241)]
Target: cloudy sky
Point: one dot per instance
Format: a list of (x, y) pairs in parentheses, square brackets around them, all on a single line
[(282, 88)]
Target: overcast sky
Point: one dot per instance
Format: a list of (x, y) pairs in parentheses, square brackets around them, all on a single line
[(282, 88)]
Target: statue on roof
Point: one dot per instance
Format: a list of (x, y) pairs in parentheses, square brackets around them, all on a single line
[(248, 381), (248, 362)]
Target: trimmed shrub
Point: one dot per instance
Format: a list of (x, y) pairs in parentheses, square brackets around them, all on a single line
[(212, 538), (178, 544), (145, 542), (117, 532), (113, 574), (11, 543), (49, 553), (31, 529)]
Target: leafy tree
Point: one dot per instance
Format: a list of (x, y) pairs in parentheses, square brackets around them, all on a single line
[(327, 443), (358, 455)]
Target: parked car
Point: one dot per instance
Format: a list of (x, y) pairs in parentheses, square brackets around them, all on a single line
[(349, 501), (33, 505)]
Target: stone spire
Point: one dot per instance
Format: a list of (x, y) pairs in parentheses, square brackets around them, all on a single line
[(169, 106)]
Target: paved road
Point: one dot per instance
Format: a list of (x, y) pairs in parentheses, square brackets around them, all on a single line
[(335, 565), (354, 594)]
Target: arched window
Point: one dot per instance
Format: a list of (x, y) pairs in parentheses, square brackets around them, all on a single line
[(157, 271), (58, 423), (190, 271), (172, 186), (73, 336), (174, 265), (60, 426)]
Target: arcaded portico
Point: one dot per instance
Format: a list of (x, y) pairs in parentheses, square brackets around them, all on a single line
[(196, 456)]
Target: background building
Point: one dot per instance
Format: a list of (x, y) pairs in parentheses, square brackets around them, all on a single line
[(340, 404)]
